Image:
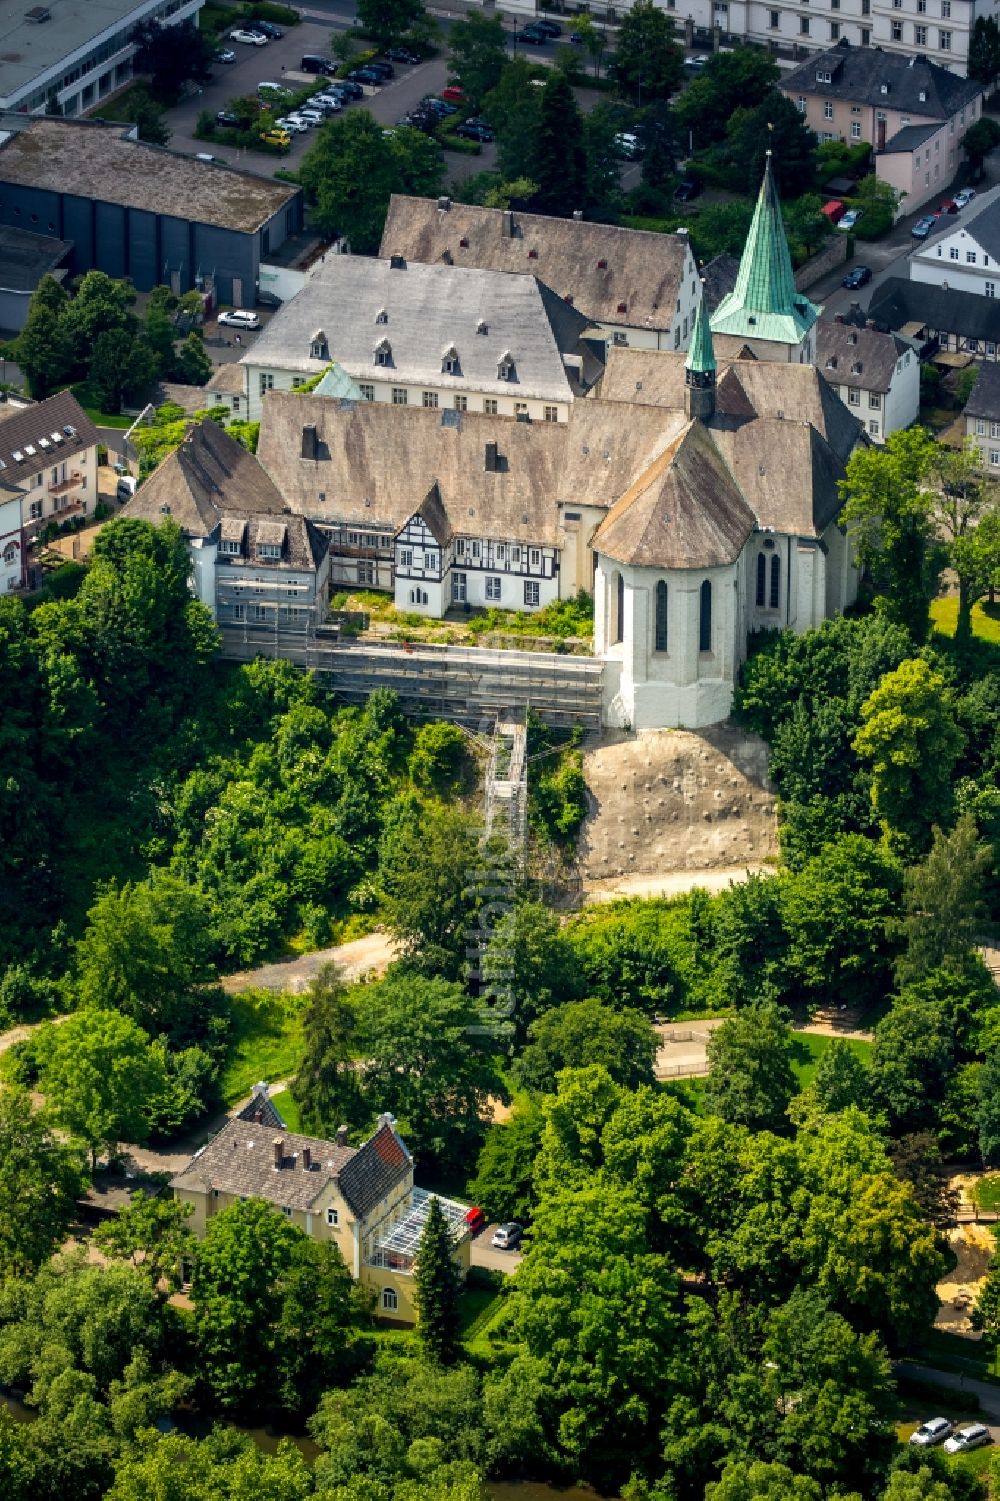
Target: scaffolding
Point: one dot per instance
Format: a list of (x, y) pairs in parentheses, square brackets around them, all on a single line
[(506, 803), (465, 684)]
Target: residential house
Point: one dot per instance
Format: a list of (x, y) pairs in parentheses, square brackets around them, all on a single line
[(73, 53), (876, 375), (637, 288), (428, 336), (964, 254), (12, 548), (48, 450), (254, 564), (982, 418), (143, 212), (912, 112), (958, 325), (362, 1199)]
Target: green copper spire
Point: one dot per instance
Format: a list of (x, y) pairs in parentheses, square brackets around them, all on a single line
[(764, 303), (701, 355)]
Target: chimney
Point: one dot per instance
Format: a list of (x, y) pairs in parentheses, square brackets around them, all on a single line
[(307, 1158), (279, 1152), (444, 204), (397, 262), (578, 215), (310, 443), (386, 1119), (341, 1136), (491, 458), (870, 323), (839, 318), (507, 224)]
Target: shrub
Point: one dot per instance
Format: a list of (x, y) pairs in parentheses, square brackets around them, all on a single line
[(357, 61), (267, 10)]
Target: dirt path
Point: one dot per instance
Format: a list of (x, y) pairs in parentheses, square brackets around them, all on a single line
[(356, 958), (671, 883), (10, 1039)]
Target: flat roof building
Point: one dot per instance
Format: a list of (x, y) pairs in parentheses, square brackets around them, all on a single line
[(143, 212), (76, 51)]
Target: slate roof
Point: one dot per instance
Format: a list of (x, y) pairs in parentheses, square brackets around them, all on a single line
[(985, 398), (42, 425), (983, 227), (637, 285), (719, 277), (858, 73), (240, 1160), (898, 301), (910, 137), (424, 311), (841, 346), (261, 1110), (99, 161), (685, 511)]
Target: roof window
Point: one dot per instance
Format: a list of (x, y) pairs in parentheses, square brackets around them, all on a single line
[(856, 368), (381, 316), (602, 264), (532, 255), (623, 307), (482, 327)]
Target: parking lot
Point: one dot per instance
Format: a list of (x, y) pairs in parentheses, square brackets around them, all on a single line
[(280, 62)]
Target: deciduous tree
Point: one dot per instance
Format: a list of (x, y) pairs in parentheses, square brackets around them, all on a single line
[(40, 1181), (751, 1081), (477, 54), (943, 902), (581, 1033), (352, 169), (648, 57)]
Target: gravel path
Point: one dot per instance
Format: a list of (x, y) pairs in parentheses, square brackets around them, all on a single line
[(356, 958)]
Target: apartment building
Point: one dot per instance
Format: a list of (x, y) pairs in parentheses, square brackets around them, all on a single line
[(48, 450)]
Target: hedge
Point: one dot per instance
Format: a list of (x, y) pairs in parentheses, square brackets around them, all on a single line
[(451, 142), (358, 61), (266, 10)]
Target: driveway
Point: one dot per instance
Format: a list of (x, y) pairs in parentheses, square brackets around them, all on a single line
[(989, 1395), (485, 1255), (358, 957)]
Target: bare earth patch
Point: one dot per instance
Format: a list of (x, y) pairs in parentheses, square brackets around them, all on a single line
[(974, 1246)]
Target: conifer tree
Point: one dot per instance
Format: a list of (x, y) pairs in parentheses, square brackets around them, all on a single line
[(438, 1285)]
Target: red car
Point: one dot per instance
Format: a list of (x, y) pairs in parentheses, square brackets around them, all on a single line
[(475, 1219), (949, 206), (453, 94)]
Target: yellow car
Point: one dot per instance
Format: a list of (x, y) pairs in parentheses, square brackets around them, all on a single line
[(276, 138)]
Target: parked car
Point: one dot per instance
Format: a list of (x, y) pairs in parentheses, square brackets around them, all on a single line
[(833, 210), (439, 106), (474, 132), (965, 197), (403, 55), (950, 206), (934, 1431), (534, 34), (250, 38), (856, 277), (276, 138), (366, 75), (311, 116), (923, 226), (847, 221), (348, 88), (578, 40), (627, 145), (971, 1437), (384, 70), (686, 190), (453, 93), (292, 123), (330, 104), (266, 28), (507, 1237), (239, 318), (314, 62), (223, 55), (695, 64), (205, 156), (421, 119), (226, 117), (551, 28), (475, 1219)]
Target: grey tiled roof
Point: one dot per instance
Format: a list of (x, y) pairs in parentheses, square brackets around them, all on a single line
[(260, 1109), (985, 398), (859, 73), (912, 136), (982, 227), (24, 427), (424, 311), (840, 347), (241, 1161), (612, 274)]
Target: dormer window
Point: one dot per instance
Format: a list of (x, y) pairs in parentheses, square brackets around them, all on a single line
[(856, 368), (505, 366), (270, 550), (381, 316), (831, 363), (852, 338), (602, 264), (482, 327), (450, 363), (383, 352), (229, 547), (884, 88), (319, 348)]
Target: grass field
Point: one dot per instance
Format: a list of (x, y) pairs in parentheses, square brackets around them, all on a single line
[(985, 618), (266, 1041), (987, 1193), (287, 1109), (811, 1049)]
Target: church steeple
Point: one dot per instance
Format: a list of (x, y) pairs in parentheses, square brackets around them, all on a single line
[(764, 303), (699, 367)]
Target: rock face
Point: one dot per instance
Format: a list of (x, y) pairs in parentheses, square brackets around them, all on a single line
[(676, 800)]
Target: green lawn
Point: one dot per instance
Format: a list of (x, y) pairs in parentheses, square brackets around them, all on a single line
[(265, 1042), (950, 1352), (987, 1193), (811, 1048), (985, 618), (287, 1109)]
